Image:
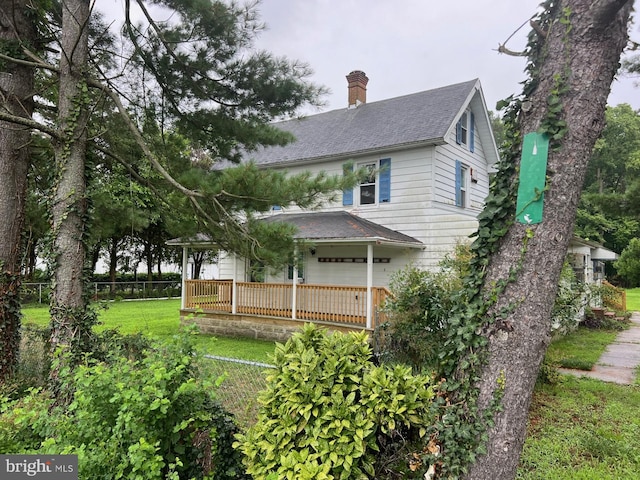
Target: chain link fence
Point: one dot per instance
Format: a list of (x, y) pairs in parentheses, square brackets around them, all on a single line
[(243, 380), (39, 292)]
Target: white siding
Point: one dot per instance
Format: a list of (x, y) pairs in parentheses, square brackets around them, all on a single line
[(422, 205), (410, 185), (353, 274), (444, 174), (225, 267)]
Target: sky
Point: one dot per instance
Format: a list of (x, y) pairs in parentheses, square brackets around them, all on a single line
[(407, 46)]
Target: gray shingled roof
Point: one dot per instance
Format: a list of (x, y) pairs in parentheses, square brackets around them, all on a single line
[(422, 117), (321, 226), (340, 226)]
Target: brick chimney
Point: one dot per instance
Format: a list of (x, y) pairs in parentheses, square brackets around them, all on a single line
[(357, 88)]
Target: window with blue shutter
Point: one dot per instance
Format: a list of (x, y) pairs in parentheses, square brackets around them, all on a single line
[(347, 194), (461, 184), (462, 129), (385, 180), (471, 132)]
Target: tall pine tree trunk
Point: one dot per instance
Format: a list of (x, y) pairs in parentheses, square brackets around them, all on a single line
[(68, 306), (580, 48), (16, 98)]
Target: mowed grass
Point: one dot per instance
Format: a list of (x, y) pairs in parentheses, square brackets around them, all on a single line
[(583, 429), (580, 349), (161, 318), (633, 299)]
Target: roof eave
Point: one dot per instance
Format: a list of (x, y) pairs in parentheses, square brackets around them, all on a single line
[(357, 153), (365, 241)]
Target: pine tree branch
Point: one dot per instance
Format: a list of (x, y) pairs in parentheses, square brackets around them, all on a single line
[(140, 140), (27, 122), (171, 51)]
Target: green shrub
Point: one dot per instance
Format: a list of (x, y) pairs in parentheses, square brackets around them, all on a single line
[(418, 312), (147, 418), (34, 361), (329, 413), (549, 374), (422, 302), (571, 298)]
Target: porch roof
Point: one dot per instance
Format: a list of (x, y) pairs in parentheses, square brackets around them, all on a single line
[(343, 227), (325, 227), (587, 247)]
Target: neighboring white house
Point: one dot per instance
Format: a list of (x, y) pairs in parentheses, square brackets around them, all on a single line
[(430, 154), (587, 260)]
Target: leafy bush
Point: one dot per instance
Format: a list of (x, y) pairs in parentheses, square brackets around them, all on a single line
[(147, 418), (423, 300), (549, 374), (329, 413), (571, 298), (418, 311), (136, 277)]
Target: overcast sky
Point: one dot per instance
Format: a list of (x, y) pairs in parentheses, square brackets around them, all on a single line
[(406, 46)]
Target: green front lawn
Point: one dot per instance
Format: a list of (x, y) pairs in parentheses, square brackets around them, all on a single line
[(580, 349), (161, 318), (633, 299), (582, 429)]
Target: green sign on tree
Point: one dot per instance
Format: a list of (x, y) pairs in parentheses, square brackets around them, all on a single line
[(533, 170)]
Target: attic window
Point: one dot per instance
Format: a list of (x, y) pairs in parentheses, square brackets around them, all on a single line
[(462, 129)]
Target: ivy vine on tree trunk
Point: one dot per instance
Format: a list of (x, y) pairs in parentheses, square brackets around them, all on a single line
[(71, 321), (497, 343), (16, 97)]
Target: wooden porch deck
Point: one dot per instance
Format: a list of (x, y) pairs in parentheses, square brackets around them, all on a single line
[(339, 304)]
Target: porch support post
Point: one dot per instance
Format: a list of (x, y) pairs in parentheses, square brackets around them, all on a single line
[(294, 290), (369, 285), (234, 286), (185, 266)]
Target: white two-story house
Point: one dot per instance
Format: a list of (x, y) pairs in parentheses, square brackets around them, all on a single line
[(429, 153)]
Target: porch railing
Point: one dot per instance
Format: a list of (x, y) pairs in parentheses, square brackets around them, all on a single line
[(330, 303), (614, 297)]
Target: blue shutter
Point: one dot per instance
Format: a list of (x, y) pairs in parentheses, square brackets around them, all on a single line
[(385, 180), (472, 130), (459, 132), (347, 194), (458, 183)]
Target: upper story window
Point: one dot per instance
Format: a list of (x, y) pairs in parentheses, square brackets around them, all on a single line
[(368, 186), (465, 131), (462, 173), (375, 188)]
